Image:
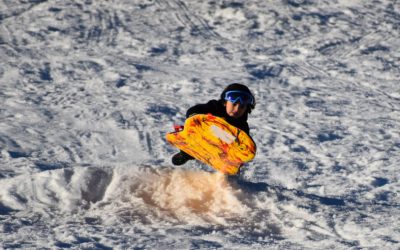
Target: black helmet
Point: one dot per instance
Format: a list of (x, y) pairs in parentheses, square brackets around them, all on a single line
[(239, 87)]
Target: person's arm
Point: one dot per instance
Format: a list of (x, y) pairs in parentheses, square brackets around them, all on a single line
[(201, 109), (246, 128)]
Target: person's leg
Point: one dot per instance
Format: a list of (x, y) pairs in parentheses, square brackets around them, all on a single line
[(181, 158)]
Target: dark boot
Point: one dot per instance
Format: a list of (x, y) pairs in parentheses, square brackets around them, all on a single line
[(181, 158)]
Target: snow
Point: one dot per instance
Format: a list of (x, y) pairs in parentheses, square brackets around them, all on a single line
[(88, 90)]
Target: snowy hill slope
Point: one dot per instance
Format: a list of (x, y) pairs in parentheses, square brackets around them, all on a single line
[(88, 90)]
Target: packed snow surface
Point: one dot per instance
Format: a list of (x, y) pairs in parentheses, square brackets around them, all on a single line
[(88, 90)]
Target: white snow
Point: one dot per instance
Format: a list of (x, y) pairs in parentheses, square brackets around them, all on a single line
[(88, 90)]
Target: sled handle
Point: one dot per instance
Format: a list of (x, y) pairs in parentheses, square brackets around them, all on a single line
[(178, 128)]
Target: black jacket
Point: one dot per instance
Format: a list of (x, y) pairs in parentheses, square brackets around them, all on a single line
[(217, 108)]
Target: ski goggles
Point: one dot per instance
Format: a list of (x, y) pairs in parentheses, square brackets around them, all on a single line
[(235, 96)]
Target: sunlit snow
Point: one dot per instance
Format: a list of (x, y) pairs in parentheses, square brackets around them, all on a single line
[(88, 90)]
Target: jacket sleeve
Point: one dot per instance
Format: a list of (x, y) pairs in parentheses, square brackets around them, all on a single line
[(246, 128), (200, 109)]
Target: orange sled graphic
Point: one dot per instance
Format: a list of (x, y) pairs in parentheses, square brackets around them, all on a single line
[(215, 142)]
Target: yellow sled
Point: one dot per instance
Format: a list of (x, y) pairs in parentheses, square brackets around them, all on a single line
[(215, 142)]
